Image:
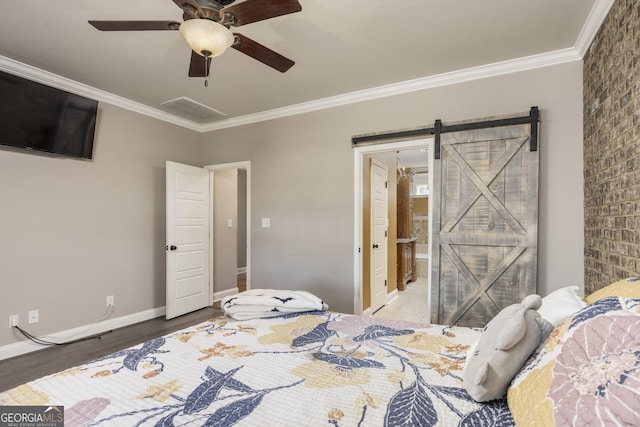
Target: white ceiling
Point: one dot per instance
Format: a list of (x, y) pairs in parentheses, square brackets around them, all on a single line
[(342, 48), (413, 158)]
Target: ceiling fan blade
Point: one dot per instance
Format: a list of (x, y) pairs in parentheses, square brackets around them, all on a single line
[(258, 10), (135, 25), (262, 53), (199, 66)]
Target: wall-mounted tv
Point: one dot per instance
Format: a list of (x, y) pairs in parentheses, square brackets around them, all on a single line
[(37, 117)]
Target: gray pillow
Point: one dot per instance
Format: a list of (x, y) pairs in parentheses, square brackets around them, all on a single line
[(503, 348)]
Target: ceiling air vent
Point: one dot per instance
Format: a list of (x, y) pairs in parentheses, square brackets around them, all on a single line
[(190, 109)]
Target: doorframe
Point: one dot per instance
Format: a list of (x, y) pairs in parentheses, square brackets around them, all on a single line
[(358, 154), (245, 165)]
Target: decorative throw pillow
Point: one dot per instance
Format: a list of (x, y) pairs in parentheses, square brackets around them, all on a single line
[(505, 345), (587, 371), (626, 288), (561, 304)]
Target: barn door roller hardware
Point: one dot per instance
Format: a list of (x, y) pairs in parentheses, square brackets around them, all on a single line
[(533, 118)]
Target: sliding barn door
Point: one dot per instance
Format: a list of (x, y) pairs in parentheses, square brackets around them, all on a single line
[(485, 219)]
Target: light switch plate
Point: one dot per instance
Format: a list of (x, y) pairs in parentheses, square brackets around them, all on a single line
[(266, 222)]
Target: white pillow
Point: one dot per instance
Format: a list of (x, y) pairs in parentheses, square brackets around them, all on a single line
[(559, 305)]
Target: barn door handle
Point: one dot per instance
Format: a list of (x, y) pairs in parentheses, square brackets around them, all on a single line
[(172, 247), (375, 246)]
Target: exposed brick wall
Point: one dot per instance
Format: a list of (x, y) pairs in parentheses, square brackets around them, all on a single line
[(611, 76)]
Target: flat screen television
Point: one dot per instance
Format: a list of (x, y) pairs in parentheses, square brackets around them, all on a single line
[(38, 117)]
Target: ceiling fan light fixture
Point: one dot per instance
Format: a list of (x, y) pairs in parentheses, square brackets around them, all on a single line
[(206, 37)]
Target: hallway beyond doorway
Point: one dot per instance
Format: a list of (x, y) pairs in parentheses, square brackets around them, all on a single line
[(411, 305)]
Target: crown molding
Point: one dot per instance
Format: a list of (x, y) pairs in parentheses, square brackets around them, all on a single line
[(20, 69), (594, 20), (445, 79), (596, 17)]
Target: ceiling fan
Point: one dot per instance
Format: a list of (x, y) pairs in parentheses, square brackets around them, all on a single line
[(206, 29)]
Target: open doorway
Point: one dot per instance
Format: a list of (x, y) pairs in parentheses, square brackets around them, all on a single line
[(413, 164), (415, 157), (231, 228)]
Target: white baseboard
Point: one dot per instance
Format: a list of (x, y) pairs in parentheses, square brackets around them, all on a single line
[(217, 296), (392, 295), (24, 347)]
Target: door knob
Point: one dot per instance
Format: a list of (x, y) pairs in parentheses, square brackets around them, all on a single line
[(375, 246), (172, 247)]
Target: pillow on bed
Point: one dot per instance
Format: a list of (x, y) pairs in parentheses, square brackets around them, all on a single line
[(588, 369), (560, 304), (627, 288), (503, 348)]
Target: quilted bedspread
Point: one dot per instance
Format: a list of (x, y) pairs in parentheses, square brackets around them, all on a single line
[(312, 369), (588, 371)]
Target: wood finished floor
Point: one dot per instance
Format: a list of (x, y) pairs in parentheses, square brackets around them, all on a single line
[(21, 369)]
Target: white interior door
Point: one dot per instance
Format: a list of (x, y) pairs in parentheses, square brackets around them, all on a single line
[(188, 231), (379, 220)]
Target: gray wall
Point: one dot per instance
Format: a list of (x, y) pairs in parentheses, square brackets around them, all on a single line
[(242, 218), (303, 176), (225, 208), (76, 231)]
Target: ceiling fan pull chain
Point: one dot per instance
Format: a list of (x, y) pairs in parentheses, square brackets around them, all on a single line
[(206, 70)]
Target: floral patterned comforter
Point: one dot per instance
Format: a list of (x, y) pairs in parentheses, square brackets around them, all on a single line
[(587, 373), (311, 369)]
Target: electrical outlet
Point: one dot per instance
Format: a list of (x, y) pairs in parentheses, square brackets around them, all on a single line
[(110, 301), (14, 320), (34, 316)]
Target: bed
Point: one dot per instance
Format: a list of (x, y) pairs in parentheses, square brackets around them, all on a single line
[(307, 369), (326, 368)]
